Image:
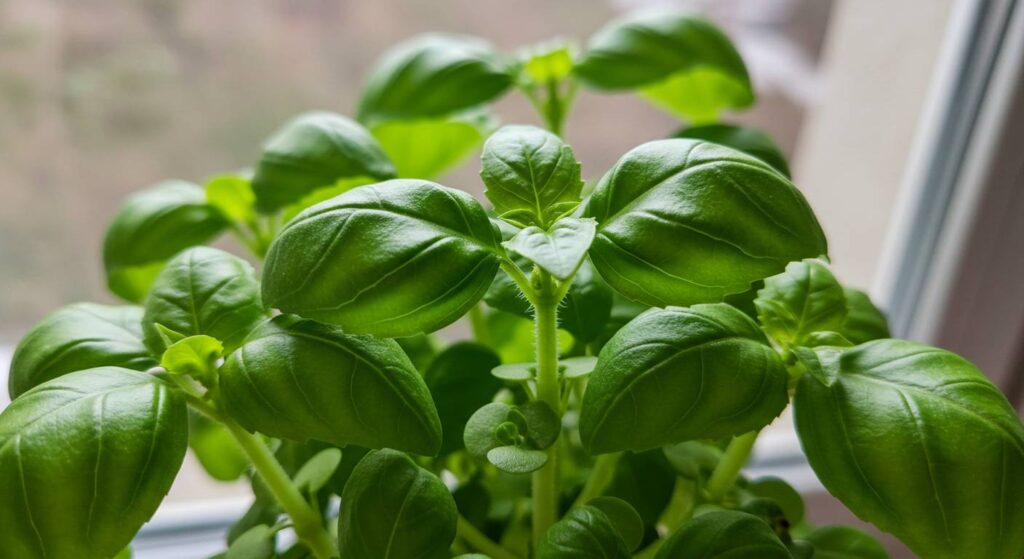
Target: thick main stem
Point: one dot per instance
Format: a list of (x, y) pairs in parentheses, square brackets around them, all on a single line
[(728, 469), (305, 520), (545, 480)]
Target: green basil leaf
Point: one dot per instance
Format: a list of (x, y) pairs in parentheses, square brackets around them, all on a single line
[(844, 542), (806, 298), (584, 533), (917, 441), (577, 367), (532, 177), (152, 226), (232, 195), (393, 509), (460, 382), (256, 543), (205, 291), (480, 435), (683, 222), (743, 138), (301, 380), (312, 151), (587, 305), (724, 534), (78, 337), (693, 460), (678, 374), (864, 322), (624, 519), (551, 61), (779, 491), (644, 480), (392, 259), (216, 449), (258, 514), (515, 372), (517, 460), (531, 426), (433, 75), (560, 250), (426, 148), (85, 460), (317, 471), (195, 356), (681, 63)]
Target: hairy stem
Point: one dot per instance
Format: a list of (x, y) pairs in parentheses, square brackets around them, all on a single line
[(728, 469), (480, 542), (545, 480), (600, 477)]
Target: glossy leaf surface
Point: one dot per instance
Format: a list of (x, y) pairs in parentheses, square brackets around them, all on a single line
[(392, 259), (460, 382), (683, 222), (393, 509), (583, 533), (804, 299), (678, 374), (78, 337), (724, 535), (559, 250), (85, 460), (918, 442), (743, 138), (312, 151)]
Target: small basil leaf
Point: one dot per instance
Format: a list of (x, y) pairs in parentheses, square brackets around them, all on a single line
[(560, 250), (587, 305), (805, 298), (426, 148), (844, 542), (152, 226), (504, 295), (85, 460), (683, 222), (392, 259), (542, 423), (515, 372), (821, 339), (203, 291), (693, 460), (459, 382), (584, 533), (232, 195), (864, 322), (480, 435), (195, 356), (317, 471), (256, 543), (532, 177), (77, 337), (551, 61), (433, 75), (682, 63), (918, 442), (678, 374), (779, 491), (577, 367), (216, 449), (517, 460), (724, 534), (393, 509), (743, 138), (644, 480), (257, 514), (300, 380), (624, 519), (312, 151)]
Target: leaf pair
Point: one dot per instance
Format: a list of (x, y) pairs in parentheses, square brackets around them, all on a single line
[(513, 438)]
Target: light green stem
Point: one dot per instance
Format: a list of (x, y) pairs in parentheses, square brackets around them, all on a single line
[(480, 542), (600, 477), (306, 520), (728, 469), (545, 480), (478, 323)]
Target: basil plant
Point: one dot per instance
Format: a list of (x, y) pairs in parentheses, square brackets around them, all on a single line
[(630, 339)]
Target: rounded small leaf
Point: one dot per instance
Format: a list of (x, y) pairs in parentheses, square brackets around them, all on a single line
[(481, 434), (683, 222), (392, 259), (844, 542), (232, 195), (724, 534), (151, 227), (517, 460), (317, 471), (393, 509), (743, 138), (195, 356), (216, 449), (559, 250), (256, 543), (678, 374), (918, 442), (583, 533), (577, 367), (515, 372), (459, 382), (804, 299), (85, 460), (782, 493), (205, 291), (78, 337), (312, 151), (301, 380), (864, 321)]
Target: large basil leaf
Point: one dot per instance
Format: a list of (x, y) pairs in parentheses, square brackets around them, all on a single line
[(78, 337), (532, 177), (558, 250), (864, 322), (392, 259), (724, 535), (207, 291), (917, 441), (584, 533), (152, 226), (433, 75), (393, 509), (682, 63), (804, 299), (85, 460), (844, 542), (587, 305), (300, 380), (743, 138), (425, 148), (678, 374), (314, 150), (460, 382), (683, 222)]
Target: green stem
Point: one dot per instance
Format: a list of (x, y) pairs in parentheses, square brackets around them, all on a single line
[(480, 542), (545, 480), (478, 323), (600, 477), (306, 520), (728, 469), (555, 116)]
